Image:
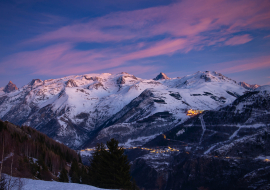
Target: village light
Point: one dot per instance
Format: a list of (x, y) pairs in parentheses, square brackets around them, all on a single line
[(192, 112)]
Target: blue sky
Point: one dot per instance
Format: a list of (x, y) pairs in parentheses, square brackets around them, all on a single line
[(51, 39)]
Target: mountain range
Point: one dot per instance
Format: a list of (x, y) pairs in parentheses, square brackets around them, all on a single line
[(81, 110), (200, 131)]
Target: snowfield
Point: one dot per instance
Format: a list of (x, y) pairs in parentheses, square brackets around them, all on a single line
[(30, 184), (53, 185)]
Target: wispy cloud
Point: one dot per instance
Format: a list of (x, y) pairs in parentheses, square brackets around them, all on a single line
[(179, 27), (183, 19), (63, 59), (237, 40), (243, 65)]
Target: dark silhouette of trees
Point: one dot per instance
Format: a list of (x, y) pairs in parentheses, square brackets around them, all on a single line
[(74, 172), (63, 176), (27, 145), (110, 169)]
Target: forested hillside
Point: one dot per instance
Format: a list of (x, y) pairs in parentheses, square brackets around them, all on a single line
[(29, 153)]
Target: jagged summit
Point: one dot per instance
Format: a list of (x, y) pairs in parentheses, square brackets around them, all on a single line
[(10, 87), (161, 76), (213, 76), (35, 81), (249, 86)]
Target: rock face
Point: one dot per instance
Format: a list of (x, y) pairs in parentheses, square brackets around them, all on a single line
[(121, 80), (71, 83), (249, 86), (10, 87), (161, 76), (35, 82)]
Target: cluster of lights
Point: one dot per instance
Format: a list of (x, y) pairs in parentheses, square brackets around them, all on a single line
[(169, 149), (192, 112)]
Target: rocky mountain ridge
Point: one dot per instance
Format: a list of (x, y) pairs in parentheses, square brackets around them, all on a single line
[(249, 86)]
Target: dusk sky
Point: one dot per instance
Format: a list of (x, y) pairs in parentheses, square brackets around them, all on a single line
[(50, 39)]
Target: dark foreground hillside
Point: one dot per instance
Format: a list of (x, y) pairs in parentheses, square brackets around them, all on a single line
[(29, 153)]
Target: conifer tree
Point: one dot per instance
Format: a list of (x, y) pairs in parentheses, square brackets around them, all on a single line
[(95, 166), (80, 158), (84, 176), (63, 175), (75, 171), (110, 169)]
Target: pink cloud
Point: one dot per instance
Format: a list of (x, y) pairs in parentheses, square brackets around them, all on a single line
[(237, 40), (182, 19), (243, 65), (54, 60), (62, 59), (187, 25)]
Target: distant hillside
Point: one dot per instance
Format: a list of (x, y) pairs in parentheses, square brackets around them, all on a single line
[(32, 154)]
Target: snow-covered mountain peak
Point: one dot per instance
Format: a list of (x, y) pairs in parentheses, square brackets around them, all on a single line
[(200, 78), (249, 86), (213, 76), (161, 76), (35, 82)]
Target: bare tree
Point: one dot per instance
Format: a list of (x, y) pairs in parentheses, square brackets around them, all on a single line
[(10, 177), (2, 158), (3, 183)]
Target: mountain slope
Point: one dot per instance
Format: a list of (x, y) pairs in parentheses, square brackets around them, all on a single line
[(160, 109), (31, 154), (213, 149)]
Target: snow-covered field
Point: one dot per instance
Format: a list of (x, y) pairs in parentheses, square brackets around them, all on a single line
[(30, 184), (53, 185)]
